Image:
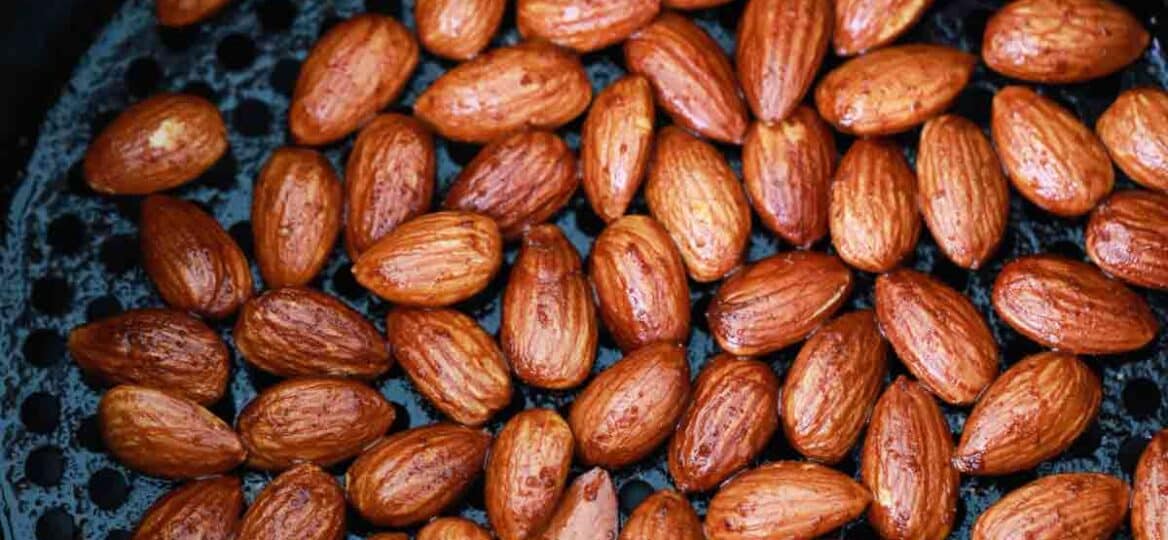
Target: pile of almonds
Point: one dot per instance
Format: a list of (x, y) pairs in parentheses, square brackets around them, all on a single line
[(167, 365)]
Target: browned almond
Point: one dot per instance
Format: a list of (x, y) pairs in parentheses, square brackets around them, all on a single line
[(1050, 156), (296, 331), (1135, 130), (905, 464), (1071, 306), (1062, 41), (457, 29), (549, 330), (862, 25), (391, 536), (587, 511), (614, 145), (519, 180), (186, 12), (295, 216), (452, 361), (831, 387), (693, 4), (204, 509), (691, 75), (526, 472), (784, 499), (1127, 237), (163, 435), (629, 409), (584, 25), (303, 503), (533, 84), (874, 221), (664, 514), (1033, 412), (640, 283), (787, 167), (356, 69), (411, 476), (1149, 509), (777, 301), (433, 260), (893, 89), (781, 44), (729, 421), (1089, 506), (453, 528), (154, 145)]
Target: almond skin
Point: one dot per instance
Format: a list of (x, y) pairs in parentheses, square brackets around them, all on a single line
[(1149, 509), (355, 70), (204, 509), (893, 89), (1135, 130), (186, 12), (296, 331), (693, 4), (160, 348), (533, 84), (874, 221), (692, 78), (831, 387), (193, 262), (457, 29), (1089, 506), (295, 216), (1033, 412), (863, 25), (411, 476), (526, 472), (452, 528), (905, 464), (584, 25), (664, 514), (1071, 306), (154, 145), (1050, 156), (777, 301), (433, 260), (1127, 237), (451, 361), (614, 145), (587, 511), (640, 283), (694, 194), (629, 409), (781, 44), (162, 435), (304, 503)]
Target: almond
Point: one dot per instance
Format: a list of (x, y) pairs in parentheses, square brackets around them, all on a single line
[(664, 514), (295, 216), (1135, 130), (1149, 509), (453, 528), (863, 25), (457, 29), (304, 503), (390, 536), (587, 511), (186, 12), (1069, 505), (1071, 306), (526, 472), (781, 44), (205, 509), (614, 145), (874, 221), (693, 4), (584, 25), (1127, 237)]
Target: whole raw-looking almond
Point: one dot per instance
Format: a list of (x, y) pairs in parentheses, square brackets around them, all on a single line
[(1127, 237), (781, 44), (777, 301), (204, 509), (186, 12), (457, 29), (587, 511), (1090, 506), (1149, 509), (433, 260), (664, 514), (831, 387), (295, 216), (1052, 159), (893, 89), (296, 331), (614, 145), (193, 262), (163, 435), (584, 25), (453, 528), (1033, 412), (411, 476), (862, 25), (526, 472), (303, 503), (355, 70), (1071, 306), (452, 361), (1135, 130), (154, 145), (692, 77), (629, 409), (874, 220)]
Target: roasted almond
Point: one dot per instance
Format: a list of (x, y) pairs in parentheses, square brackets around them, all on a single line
[(664, 514), (457, 29), (781, 44), (1069, 505), (1127, 237), (203, 509), (587, 511), (186, 12), (1135, 130), (453, 528), (614, 145), (390, 536), (526, 473), (1149, 508), (693, 4), (295, 216), (874, 221), (862, 25), (304, 503), (584, 25)]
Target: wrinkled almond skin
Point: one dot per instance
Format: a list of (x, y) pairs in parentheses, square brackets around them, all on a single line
[(411, 476), (831, 387), (296, 331), (433, 260), (355, 70), (664, 514), (186, 12), (154, 145), (1033, 412), (166, 436), (1149, 509), (615, 144), (777, 301), (534, 84), (694, 194), (873, 220), (1049, 155), (451, 361), (457, 29), (584, 25), (1087, 506), (202, 509), (893, 89), (160, 348), (526, 472), (303, 503), (587, 511), (729, 421), (629, 409), (863, 25), (1071, 306), (1127, 236), (1062, 41), (781, 44), (452, 528), (1135, 130), (692, 78), (295, 216)]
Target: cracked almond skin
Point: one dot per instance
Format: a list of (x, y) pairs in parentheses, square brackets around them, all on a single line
[(1149, 508), (777, 301), (695, 195), (356, 69), (303, 503), (1071, 306), (1127, 236), (412, 476), (457, 29), (863, 25), (729, 421), (433, 260), (629, 409), (905, 465), (938, 335), (873, 220), (584, 25), (692, 78), (1032, 413), (175, 13), (1087, 506), (1135, 130), (615, 145), (588, 510), (451, 361), (526, 472), (893, 89), (205, 509), (832, 386), (453, 528), (781, 44), (664, 514)]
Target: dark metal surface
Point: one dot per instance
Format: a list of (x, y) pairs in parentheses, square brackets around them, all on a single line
[(70, 255)]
